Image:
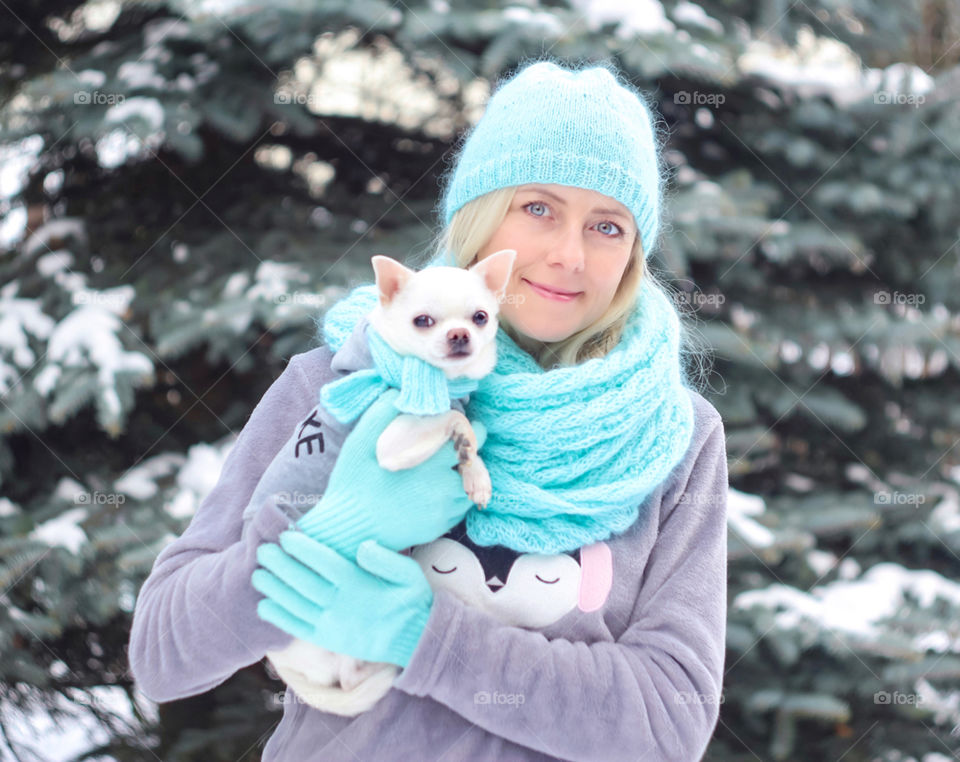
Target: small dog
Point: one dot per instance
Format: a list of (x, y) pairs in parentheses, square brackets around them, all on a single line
[(446, 316)]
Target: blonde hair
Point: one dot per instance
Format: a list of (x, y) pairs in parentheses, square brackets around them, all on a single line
[(474, 224)]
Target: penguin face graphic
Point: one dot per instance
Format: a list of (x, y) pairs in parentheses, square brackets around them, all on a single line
[(519, 589)]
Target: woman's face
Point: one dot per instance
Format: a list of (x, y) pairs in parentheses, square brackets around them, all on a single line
[(572, 246)]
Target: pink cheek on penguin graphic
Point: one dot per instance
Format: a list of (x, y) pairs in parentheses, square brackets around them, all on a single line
[(596, 576)]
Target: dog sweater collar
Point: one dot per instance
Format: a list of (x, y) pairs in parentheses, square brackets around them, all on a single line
[(424, 389)]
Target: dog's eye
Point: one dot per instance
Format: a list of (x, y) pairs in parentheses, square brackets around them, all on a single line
[(423, 321), (480, 317)]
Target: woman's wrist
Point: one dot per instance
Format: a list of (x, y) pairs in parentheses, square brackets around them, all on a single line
[(337, 522), (407, 640)]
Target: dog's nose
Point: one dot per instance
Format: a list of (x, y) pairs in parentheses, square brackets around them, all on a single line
[(458, 338)]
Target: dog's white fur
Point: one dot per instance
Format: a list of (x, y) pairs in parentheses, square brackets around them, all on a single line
[(453, 341)]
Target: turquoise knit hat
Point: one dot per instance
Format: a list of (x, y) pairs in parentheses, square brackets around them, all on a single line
[(579, 127)]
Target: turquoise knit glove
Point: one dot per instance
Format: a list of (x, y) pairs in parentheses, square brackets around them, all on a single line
[(398, 509), (375, 609)]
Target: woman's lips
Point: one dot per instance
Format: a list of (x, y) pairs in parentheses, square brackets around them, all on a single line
[(547, 293)]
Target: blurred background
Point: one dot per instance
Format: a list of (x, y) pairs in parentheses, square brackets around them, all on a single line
[(186, 186)]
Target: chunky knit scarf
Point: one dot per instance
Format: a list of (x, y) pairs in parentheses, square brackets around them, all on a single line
[(424, 388), (572, 451)]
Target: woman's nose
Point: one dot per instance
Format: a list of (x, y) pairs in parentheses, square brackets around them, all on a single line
[(567, 251)]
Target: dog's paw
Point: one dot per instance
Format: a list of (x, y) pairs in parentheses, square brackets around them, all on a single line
[(476, 483)]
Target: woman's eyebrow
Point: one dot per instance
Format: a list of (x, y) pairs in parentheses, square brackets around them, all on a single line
[(562, 202)]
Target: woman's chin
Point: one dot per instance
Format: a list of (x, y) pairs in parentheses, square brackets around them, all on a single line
[(545, 334)]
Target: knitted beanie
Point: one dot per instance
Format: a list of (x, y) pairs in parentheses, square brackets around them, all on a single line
[(579, 127)]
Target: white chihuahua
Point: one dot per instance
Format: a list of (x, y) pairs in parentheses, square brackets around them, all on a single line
[(446, 316)]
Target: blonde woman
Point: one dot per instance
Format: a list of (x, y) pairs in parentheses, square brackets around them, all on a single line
[(581, 615)]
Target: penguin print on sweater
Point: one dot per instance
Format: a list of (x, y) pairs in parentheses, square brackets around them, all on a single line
[(530, 590)]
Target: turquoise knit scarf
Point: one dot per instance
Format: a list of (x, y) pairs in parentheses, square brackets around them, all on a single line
[(424, 388), (573, 451)]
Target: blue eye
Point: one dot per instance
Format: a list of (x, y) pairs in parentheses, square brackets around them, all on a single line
[(535, 203), (616, 235)]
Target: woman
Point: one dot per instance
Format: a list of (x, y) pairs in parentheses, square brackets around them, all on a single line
[(582, 615)]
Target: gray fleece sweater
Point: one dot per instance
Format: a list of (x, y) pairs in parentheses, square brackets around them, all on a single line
[(614, 652)]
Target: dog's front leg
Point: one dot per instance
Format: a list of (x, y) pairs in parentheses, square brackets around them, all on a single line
[(476, 478), (411, 439)]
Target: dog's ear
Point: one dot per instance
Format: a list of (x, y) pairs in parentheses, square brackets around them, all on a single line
[(495, 269), (391, 277)]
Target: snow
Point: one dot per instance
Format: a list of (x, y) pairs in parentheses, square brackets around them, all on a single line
[(140, 481), (53, 182), (819, 65), (87, 336), (54, 262), (273, 280), (69, 490), (740, 508), (236, 285), (821, 561), (12, 226), (61, 228), (548, 22), (20, 319), (16, 161), (849, 569), (198, 476), (158, 30), (8, 507), (140, 74), (689, 13), (641, 17), (900, 78), (148, 109), (99, 16), (92, 77), (944, 705), (116, 146), (63, 530), (35, 734), (858, 606), (945, 518)]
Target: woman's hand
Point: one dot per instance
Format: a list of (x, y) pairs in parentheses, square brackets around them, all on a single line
[(375, 609), (398, 509)]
